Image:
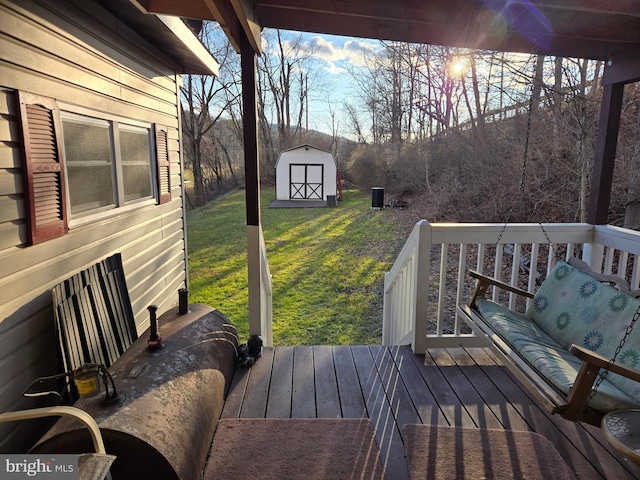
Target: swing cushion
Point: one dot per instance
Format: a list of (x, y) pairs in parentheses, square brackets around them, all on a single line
[(572, 308), (555, 363)]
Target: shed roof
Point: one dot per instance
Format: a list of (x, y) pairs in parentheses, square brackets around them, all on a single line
[(306, 146)]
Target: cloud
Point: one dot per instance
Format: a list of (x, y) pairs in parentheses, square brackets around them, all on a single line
[(326, 50), (339, 53)]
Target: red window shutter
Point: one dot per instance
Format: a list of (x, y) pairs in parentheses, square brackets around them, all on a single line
[(162, 161), (44, 167)]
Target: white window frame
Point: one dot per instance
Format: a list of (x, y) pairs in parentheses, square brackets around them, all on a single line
[(74, 113)]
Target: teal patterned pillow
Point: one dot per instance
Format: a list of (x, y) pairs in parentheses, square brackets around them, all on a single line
[(573, 307)]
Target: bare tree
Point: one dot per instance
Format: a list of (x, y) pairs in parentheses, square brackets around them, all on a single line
[(285, 70), (204, 104)]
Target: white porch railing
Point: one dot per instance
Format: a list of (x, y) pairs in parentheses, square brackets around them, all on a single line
[(429, 279), (266, 296), (260, 287)]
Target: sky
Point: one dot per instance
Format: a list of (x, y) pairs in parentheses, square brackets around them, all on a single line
[(335, 59), (336, 56)]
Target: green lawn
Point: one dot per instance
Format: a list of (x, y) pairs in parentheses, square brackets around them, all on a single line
[(328, 267)]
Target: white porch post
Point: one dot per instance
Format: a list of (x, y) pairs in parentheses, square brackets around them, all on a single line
[(421, 282), (252, 180)]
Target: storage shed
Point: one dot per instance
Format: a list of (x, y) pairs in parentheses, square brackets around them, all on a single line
[(306, 173)]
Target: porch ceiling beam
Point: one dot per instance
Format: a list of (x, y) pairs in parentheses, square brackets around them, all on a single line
[(568, 28), (233, 16), (245, 12), (223, 12), (455, 34), (624, 68), (184, 9)]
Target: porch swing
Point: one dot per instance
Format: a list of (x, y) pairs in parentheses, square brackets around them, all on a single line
[(559, 348)]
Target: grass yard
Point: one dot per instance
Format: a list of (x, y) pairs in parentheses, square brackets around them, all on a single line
[(328, 266)]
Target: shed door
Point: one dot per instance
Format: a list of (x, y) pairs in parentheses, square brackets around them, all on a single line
[(306, 182)]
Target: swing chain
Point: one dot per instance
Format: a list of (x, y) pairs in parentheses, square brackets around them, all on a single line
[(525, 156), (521, 191)]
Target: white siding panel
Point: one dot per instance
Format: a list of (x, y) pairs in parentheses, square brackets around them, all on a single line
[(10, 182), (26, 328), (10, 210), (10, 156), (62, 91), (82, 57), (86, 42), (13, 233), (8, 130), (78, 244)]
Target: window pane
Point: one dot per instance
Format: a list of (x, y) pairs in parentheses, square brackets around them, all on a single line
[(136, 164), (87, 145)]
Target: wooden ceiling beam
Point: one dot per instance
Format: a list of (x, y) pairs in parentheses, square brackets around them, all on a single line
[(479, 35), (409, 8), (572, 28), (237, 17), (234, 16), (576, 28), (245, 11), (177, 8), (614, 7), (623, 68), (224, 14)]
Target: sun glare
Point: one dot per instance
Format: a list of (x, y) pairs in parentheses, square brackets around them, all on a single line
[(457, 68)]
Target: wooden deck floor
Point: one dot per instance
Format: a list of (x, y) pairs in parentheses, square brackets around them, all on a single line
[(394, 387)]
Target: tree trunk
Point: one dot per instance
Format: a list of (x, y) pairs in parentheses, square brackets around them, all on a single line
[(476, 94), (557, 106), (537, 84), (198, 181), (585, 153)]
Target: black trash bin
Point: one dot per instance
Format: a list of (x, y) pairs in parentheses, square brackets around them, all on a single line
[(377, 198)]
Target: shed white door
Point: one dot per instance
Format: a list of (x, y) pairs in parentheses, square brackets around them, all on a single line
[(306, 182)]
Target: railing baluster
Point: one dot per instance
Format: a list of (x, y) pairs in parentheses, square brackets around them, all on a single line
[(444, 254), (462, 272), (497, 273), (480, 259), (622, 264), (515, 273), (533, 269), (609, 254)]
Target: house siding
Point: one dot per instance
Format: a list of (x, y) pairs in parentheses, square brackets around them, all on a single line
[(84, 58)]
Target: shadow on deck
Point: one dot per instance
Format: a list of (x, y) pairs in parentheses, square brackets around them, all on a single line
[(393, 387)]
